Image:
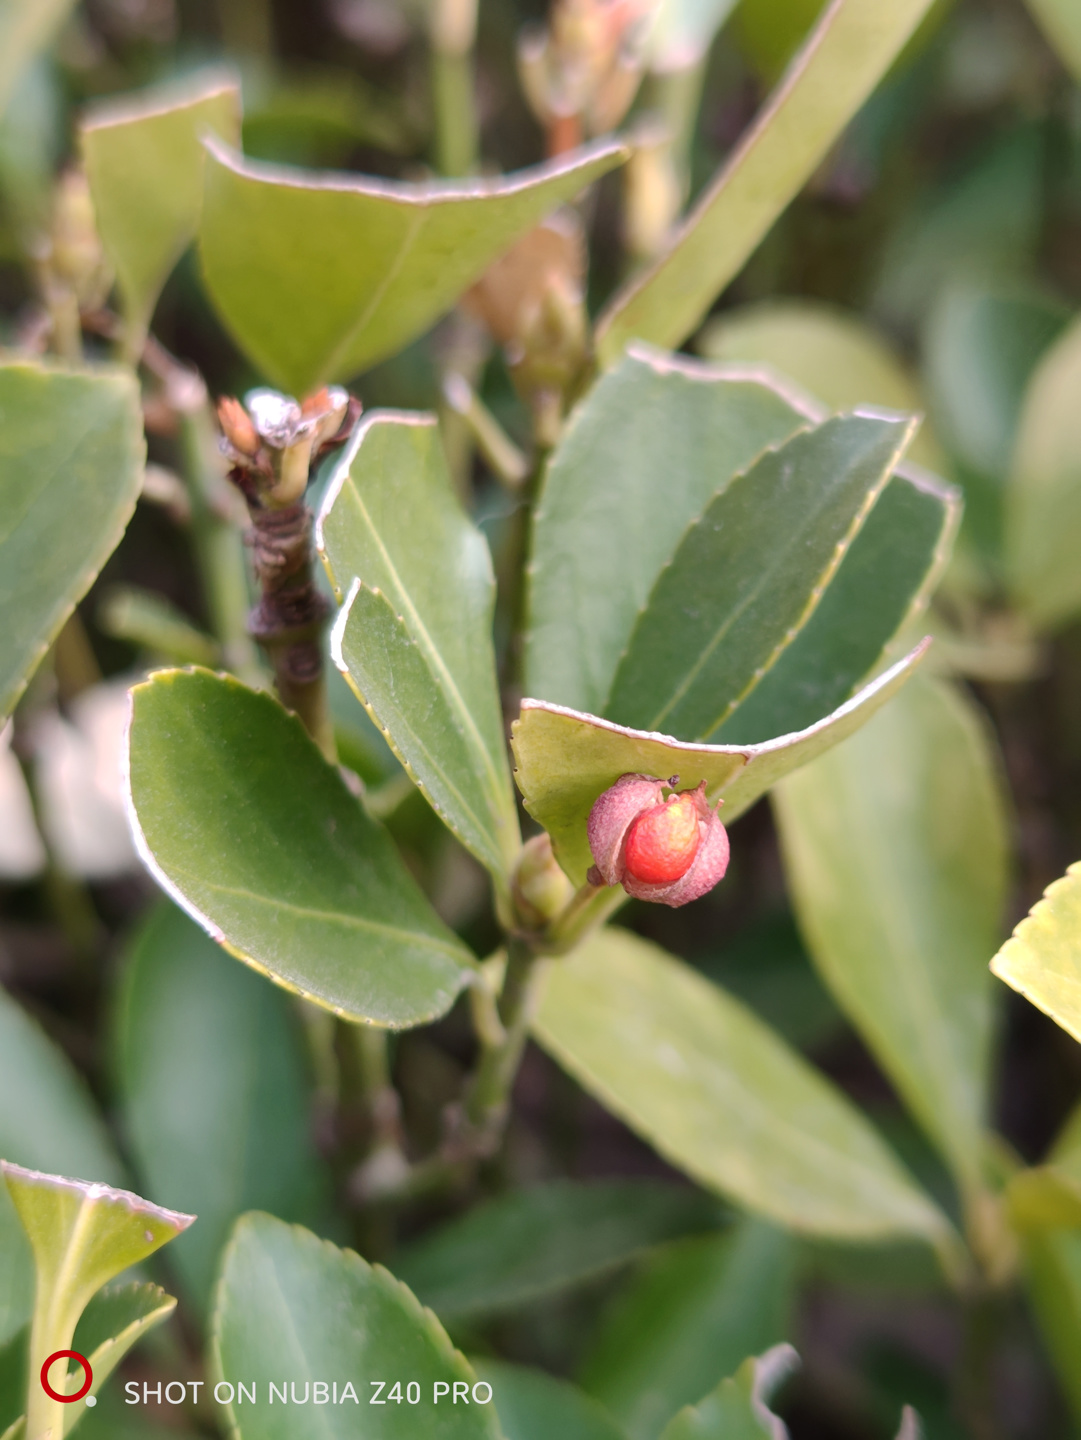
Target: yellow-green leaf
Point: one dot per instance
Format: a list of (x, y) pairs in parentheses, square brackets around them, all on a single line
[(1042, 958), (722, 1097), (319, 275), (145, 161), (70, 471), (850, 49), (895, 848), (564, 760)]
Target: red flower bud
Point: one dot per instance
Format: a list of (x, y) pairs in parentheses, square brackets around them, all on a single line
[(670, 851)]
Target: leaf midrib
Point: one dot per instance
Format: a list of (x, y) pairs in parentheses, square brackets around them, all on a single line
[(765, 577)]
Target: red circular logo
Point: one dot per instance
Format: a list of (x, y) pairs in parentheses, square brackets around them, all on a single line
[(66, 1355)]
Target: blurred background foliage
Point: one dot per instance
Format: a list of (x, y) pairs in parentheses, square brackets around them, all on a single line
[(934, 262)]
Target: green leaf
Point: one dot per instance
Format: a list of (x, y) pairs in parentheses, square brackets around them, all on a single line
[(320, 275), (1043, 498), (564, 760), (145, 161), (834, 354), (981, 344), (739, 1407), (881, 587), (215, 1092), (843, 59), (687, 1319), (1045, 1197), (241, 820), (114, 1320), (605, 528), (26, 28), (896, 852), (1052, 1269), (1042, 958), (1060, 21), (986, 218), (415, 636), (292, 1309), (748, 574), (48, 1121), (70, 474), (720, 1096), (535, 1406), (82, 1235), (507, 1253)]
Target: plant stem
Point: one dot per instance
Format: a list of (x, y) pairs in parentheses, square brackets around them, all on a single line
[(453, 34), (974, 1399), (67, 337), (505, 460), (591, 906), (455, 113), (488, 1099), (675, 96), (289, 617)]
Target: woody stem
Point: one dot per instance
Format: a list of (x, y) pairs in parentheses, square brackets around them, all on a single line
[(289, 617)]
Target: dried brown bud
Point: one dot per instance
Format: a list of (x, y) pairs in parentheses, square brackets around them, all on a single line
[(667, 850)]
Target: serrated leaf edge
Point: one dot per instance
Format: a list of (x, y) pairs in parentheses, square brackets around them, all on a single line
[(389, 1283)]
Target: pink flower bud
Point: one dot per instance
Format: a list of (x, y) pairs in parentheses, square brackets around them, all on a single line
[(670, 851)]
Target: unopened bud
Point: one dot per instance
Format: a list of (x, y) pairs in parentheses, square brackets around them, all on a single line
[(74, 254), (236, 426), (540, 888), (667, 850)]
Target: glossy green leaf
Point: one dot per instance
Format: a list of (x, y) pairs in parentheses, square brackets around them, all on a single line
[(896, 852), (26, 28), (70, 473), (564, 760), (319, 275), (82, 1236), (292, 1309), (415, 637), (241, 819), (145, 161), (834, 354), (881, 587), (605, 526), (507, 1253), (1043, 498), (1042, 958), (723, 1098), (536, 1406), (739, 1407), (48, 1121), (1060, 21), (115, 1319), (215, 1092), (843, 59), (687, 1319), (981, 345), (748, 574)]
